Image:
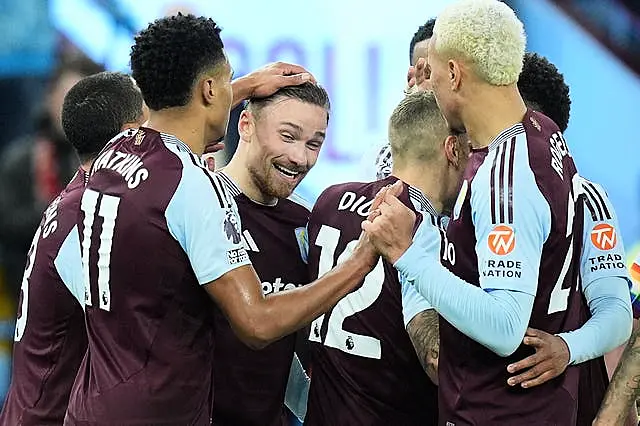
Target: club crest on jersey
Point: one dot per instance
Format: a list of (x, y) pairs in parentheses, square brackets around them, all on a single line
[(462, 195), (303, 243), (535, 123), (603, 236), (502, 240), (231, 226), (139, 137)]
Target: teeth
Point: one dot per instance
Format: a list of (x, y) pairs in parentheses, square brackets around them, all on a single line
[(285, 171)]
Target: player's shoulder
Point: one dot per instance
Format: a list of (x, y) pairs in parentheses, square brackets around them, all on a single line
[(353, 196), (72, 194), (596, 200), (297, 204), (366, 189)]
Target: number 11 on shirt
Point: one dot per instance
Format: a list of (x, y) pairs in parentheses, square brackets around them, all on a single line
[(107, 207)]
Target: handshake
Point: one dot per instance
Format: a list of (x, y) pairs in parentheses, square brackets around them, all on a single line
[(388, 230)]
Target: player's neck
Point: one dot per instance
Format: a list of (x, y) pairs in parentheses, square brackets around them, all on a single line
[(425, 178), (492, 110), (181, 123), (237, 170), (86, 166)]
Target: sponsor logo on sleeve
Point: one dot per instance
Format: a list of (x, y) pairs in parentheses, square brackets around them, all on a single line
[(231, 226), (502, 240), (235, 256), (603, 236), (609, 261)]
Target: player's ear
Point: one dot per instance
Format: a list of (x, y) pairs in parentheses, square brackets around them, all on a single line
[(452, 150), (207, 88), (246, 125), (455, 74)]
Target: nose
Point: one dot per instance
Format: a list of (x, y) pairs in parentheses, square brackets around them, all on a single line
[(297, 154)]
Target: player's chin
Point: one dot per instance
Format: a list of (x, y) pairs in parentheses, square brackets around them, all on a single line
[(285, 188)]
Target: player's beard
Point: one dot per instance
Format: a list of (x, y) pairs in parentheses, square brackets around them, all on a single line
[(269, 182)]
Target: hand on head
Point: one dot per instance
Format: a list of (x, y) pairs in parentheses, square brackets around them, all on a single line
[(272, 77)]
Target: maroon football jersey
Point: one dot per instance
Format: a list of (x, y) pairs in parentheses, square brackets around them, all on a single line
[(364, 368), (594, 381), (154, 226), (516, 193), (250, 385), (50, 339)]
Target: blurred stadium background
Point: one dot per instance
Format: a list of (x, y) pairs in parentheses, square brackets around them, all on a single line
[(359, 50)]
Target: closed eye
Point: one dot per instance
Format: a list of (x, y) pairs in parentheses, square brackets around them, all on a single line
[(287, 137), (314, 145)]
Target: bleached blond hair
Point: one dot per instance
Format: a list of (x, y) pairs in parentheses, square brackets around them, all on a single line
[(487, 34), (416, 128)]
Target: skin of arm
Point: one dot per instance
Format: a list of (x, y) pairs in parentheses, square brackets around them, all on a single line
[(624, 388), (267, 80), (259, 320), (424, 331)]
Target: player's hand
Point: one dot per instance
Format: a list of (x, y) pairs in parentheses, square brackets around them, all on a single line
[(366, 251), (374, 210), (549, 361), (209, 152), (417, 77), (391, 229), (272, 77)]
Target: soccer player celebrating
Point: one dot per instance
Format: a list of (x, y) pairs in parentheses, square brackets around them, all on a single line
[(159, 234), (512, 230), (50, 338), (280, 139), (365, 332), (543, 88)]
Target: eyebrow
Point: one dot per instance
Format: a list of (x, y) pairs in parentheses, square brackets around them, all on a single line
[(299, 129)]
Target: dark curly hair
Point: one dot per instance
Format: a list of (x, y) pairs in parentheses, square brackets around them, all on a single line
[(96, 108), (424, 32), (170, 54), (543, 88)]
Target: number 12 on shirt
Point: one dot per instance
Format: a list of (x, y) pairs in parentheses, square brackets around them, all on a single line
[(357, 301), (107, 208)]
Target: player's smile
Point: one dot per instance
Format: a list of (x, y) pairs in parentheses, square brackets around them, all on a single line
[(289, 174)]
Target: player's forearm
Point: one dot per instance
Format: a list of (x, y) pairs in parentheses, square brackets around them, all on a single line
[(497, 319), (423, 331), (609, 325), (285, 312), (624, 388), (242, 89)]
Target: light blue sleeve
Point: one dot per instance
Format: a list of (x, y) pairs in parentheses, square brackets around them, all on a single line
[(610, 324), (68, 263), (603, 253), (412, 302), (204, 219), (496, 319), (512, 223), (605, 280), (297, 392)]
